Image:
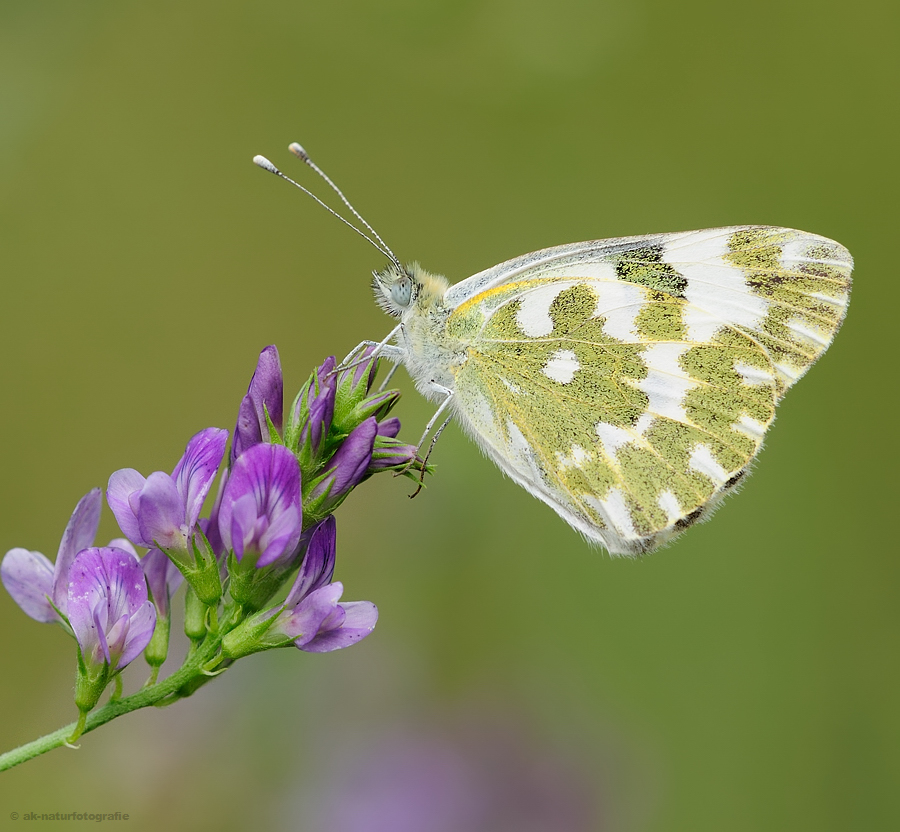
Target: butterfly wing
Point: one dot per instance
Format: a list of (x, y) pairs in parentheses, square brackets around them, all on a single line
[(628, 383)]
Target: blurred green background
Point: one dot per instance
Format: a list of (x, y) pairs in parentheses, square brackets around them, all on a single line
[(744, 678)]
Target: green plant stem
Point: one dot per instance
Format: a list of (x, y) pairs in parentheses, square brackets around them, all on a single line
[(151, 695)]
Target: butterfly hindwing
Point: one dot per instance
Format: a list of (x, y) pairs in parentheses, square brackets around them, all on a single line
[(628, 383)]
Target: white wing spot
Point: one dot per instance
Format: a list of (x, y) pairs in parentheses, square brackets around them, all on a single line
[(801, 328), (643, 423), (666, 383), (576, 458), (790, 372), (668, 502), (620, 304), (837, 299), (703, 462), (619, 515), (755, 430), (714, 286), (561, 366), (613, 438), (752, 376), (699, 324), (794, 251), (533, 317)]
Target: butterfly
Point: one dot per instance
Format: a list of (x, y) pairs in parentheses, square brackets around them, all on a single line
[(627, 383)]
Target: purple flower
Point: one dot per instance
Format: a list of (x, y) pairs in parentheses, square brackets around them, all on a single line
[(346, 469), (389, 428), (314, 409), (108, 607), (260, 510), (265, 395), (37, 586), (163, 577), (311, 616), (210, 526), (391, 454), (162, 510)]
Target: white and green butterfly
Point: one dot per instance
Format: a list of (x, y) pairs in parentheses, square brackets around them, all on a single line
[(627, 383)]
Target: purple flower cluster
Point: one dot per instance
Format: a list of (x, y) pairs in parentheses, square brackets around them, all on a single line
[(272, 517), (274, 510), (99, 595)]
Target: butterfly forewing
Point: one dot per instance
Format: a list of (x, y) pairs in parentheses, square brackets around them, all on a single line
[(628, 383)]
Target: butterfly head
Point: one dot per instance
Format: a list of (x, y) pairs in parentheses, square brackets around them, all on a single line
[(400, 289)]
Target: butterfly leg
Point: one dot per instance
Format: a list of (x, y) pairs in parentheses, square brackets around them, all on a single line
[(382, 349), (447, 393), (434, 440), (389, 376)]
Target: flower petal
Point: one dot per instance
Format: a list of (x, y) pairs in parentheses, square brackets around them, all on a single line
[(195, 471), (28, 578), (161, 513), (244, 516), (163, 577), (266, 393), (122, 543), (108, 606), (351, 460), (210, 526), (281, 536), (140, 631), (320, 406), (359, 620), (318, 563), (389, 427), (123, 485), (79, 534), (262, 493), (302, 623)]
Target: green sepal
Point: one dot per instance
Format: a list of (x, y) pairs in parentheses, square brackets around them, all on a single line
[(202, 572), (274, 435), (377, 405), (194, 616), (348, 396), (385, 447), (158, 648), (90, 683), (251, 636), (252, 587), (298, 416), (317, 508)]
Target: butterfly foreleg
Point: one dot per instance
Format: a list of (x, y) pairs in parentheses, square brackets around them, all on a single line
[(382, 349), (390, 374)]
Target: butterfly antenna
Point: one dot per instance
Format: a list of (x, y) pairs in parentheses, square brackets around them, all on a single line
[(265, 164), (299, 151)]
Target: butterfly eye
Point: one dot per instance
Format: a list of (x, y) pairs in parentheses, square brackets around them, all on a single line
[(401, 291)]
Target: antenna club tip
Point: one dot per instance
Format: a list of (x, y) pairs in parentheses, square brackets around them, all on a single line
[(297, 149), (265, 164)]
